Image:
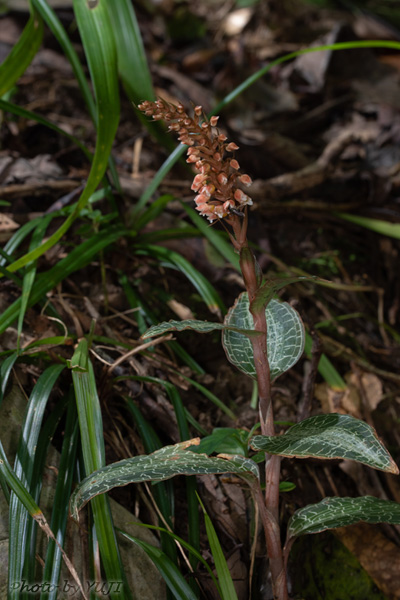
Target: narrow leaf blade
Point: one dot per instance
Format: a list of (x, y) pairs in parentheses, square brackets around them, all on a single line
[(98, 42), (330, 436), (176, 260), (228, 591), (22, 53), (170, 572), (377, 225), (91, 431)]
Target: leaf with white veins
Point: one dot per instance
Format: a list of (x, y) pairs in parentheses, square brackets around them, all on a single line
[(285, 337), (158, 466), (194, 325), (338, 512), (330, 436)]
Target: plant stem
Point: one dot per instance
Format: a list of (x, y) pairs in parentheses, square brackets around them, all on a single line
[(272, 465), (269, 509)]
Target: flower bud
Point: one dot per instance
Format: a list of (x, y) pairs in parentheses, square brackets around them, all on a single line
[(204, 167), (246, 180), (198, 182), (222, 179), (232, 147), (234, 164), (214, 121), (208, 190), (242, 198), (228, 205)]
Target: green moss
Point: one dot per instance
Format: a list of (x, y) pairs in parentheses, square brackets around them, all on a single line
[(322, 568)]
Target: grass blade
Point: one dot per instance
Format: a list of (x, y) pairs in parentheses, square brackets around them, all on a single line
[(146, 317), (228, 591), (77, 259), (18, 237), (210, 396), (56, 27), (325, 367), (183, 543), (170, 572), (377, 225), (20, 531), (59, 516), (202, 285), (157, 179), (98, 41), (334, 47), (91, 430), (22, 53), (30, 274), (132, 63), (28, 114), (5, 371)]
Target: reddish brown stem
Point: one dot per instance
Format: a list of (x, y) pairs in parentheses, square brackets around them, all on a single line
[(269, 509), (274, 548)]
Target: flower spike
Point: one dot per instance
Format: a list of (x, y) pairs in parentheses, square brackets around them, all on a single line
[(218, 178)]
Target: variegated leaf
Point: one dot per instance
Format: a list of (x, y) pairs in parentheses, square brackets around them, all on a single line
[(330, 436), (338, 512), (194, 325), (285, 338), (158, 466)]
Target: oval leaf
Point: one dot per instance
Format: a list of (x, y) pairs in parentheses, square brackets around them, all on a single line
[(158, 466), (285, 338), (338, 512), (330, 436)]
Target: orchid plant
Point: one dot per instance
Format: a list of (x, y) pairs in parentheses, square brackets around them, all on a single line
[(263, 337)]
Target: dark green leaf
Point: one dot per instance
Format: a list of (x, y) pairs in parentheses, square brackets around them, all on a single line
[(330, 436), (162, 464), (199, 326), (338, 512), (285, 337)]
